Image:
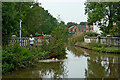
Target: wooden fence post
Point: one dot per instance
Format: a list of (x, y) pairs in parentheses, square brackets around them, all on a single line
[(108, 39), (98, 38)]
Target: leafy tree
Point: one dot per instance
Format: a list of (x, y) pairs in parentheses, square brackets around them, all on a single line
[(103, 13), (69, 24), (39, 20), (34, 19), (11, 15), (83, 23), (56, 45), (115, 31)]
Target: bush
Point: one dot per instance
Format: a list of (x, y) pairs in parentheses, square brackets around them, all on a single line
[(19, 57), (94, 44), (115, 31), (56, 46), (76, 38), (91, 34)]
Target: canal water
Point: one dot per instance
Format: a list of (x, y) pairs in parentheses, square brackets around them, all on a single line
[(79, 63)]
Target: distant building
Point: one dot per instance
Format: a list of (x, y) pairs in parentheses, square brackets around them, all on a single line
[(95, 28), (72, 29), (78, 28), (81, 28), (89, 28)]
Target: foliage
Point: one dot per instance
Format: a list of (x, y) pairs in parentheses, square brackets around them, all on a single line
[(11, 15), (69, 24), (94, 44), (76, 38), (39, 20), (91, 34), (56, 46), (115, 31), (103, 14), (14, 57), (34, 19), (102, 47), (83, 23)]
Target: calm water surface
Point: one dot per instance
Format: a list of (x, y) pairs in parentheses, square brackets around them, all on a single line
[(79, 63)]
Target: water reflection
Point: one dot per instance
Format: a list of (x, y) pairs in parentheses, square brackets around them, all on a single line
[(43, 70), (102, 66), (51, 70), (76, 51), (80, 63), (99, 65)]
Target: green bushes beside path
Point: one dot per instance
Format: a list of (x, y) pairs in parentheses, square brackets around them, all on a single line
[(15, 56), (20, 57)]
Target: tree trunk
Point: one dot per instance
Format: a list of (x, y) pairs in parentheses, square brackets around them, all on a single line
[(110, 24)]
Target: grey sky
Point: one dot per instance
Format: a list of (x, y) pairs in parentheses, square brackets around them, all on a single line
[(69, 10)]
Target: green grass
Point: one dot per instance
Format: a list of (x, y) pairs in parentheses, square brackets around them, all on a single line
[(107, 49), (103, 47)]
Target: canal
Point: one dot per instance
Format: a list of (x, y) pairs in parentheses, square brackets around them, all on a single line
[(80, 63)]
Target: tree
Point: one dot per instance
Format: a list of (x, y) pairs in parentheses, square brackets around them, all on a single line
[(115, 31), (39, 20), (103, 13), (34, 19), (12, 13), (83, 23), (69, 24)]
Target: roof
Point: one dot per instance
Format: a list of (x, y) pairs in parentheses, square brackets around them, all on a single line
[(81, 27)]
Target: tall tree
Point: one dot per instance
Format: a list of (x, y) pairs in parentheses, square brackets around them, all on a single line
[(11, 14), (39, 20), (104, 14), (69, 24), (83, 23), (34, 19)]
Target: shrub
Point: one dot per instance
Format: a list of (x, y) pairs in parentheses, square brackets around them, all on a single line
[(98, 45), (56, 46), (19, 57), (91, 34), (115, 31), (76, 38)]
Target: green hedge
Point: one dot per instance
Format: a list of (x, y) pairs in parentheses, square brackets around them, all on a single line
[(91, 34), (19, 57)]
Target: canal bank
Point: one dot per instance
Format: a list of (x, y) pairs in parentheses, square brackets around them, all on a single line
[(97, 50), (79, 40), (80, 63), (98, 47)]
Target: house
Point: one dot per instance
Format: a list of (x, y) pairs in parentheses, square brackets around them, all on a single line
[(95, 28), (78, 28), (72, 29), (81, 28), (89, 28)]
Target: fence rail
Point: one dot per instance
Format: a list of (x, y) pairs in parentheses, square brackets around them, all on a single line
[(112, 41), (24, 41)]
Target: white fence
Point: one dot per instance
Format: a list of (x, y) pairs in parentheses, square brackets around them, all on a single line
[(24, 41), (113, 41)]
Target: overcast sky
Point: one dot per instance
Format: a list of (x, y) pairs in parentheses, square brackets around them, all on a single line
[(69, 10)]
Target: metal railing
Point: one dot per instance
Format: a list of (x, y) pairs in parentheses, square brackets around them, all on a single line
[(112, 41), (24, 41)]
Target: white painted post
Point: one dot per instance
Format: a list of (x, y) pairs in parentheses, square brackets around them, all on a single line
[(20, 31)]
